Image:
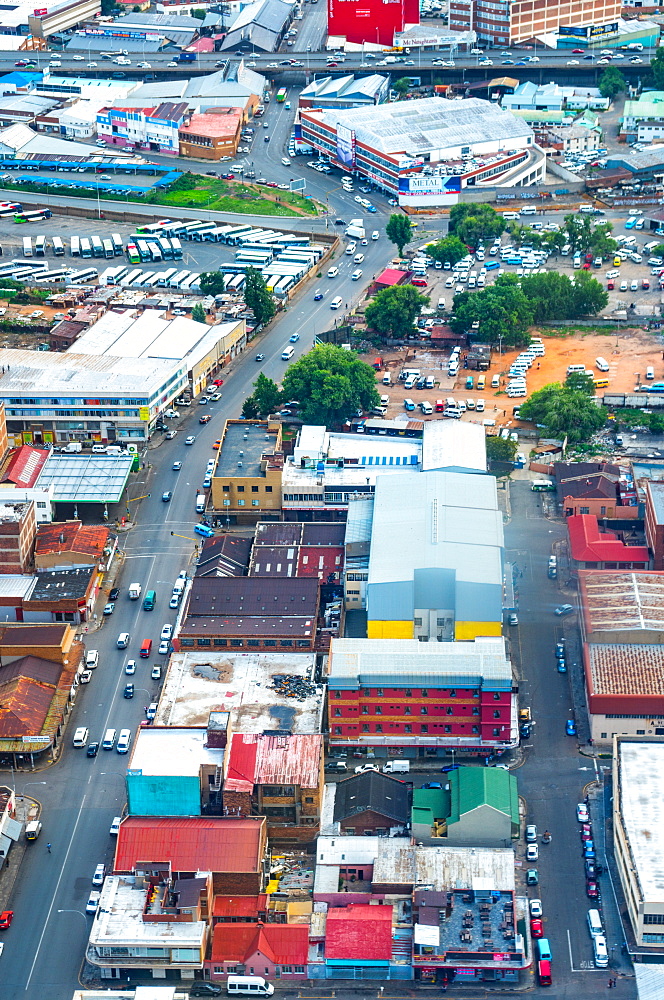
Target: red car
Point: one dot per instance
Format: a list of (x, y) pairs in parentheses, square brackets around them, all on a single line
[(228, 177), (331, 65), (578, 52), (272, 184), (21, 63), (586, 832), (218, 381), (537, 928), (6, 918), (592, 890), (418, 282), (205, 419)]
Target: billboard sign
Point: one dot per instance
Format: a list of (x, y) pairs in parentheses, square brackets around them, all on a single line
[(346, 146), (424, 184), (601, 30)]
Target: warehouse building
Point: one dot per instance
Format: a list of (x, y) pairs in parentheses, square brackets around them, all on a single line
[(437, 574), (427, 150)]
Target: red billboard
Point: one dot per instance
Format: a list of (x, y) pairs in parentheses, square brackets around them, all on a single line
[(371, 21)]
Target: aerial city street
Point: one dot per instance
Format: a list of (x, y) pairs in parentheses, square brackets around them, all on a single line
[(332, 502)]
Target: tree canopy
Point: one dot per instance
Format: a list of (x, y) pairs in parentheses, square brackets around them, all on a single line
[(212, 283), (612, 82), (475, 223), (257, 296), (198, 313), (501, 449), (449, 250), (502, 310), (331, 384), (399, 231), (266, 398), (402, 86), (657, 69), (564, 411), (392, 311)]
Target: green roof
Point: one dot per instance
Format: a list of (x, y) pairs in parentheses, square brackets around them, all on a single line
[(430, 804), (546, 117), (477, 786)]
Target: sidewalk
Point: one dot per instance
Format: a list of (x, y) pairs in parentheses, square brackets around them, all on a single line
[(27, 809)]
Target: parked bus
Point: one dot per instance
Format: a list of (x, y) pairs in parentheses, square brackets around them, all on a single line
[(58, 247), (59, 274), (133, 254), (80, 277), (108, 248), (164, 245), (178, 278), (27, 246), (97, 246), (86, 249), (152, 280), (165, 276), (120, 273), (281, 95), (130, 278), (177, 248), (38, 216), (118, 246), (154, 228), (190, 281), (143, 251), (74, 246), (155, 251)]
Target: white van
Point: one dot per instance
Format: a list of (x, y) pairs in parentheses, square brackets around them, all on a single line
[(650, 372), (602, 365), (80, 737), (124, 740), (426, 408), (287, 354), (601, 953), (333, 272), (575, 368), (109, 740), (528, 210), (178, 587), (336, 302), (387, 379), (249, 986), (594, 919)]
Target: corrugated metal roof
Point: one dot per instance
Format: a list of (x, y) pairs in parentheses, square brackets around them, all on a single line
[(189, 844), (622, 600), (452, 443), (282, 944), (71, 536), (239, 906), (641, 776), (626, 669), (253, 596), (372, 792), (359, 932), (273, 760)]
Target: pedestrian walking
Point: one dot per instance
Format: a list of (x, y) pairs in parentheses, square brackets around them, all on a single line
[(48, 848)]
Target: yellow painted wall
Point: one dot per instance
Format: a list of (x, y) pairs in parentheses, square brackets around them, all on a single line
[(465, 631), (389, 630)]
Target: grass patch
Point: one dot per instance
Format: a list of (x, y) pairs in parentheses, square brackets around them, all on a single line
[(196, 191)]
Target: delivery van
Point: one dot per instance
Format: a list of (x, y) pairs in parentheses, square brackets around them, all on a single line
[(287, 354), (249, 986), (408, 404), (200, 503), (80, 736), (32, 830), (601, 365), (109, 740), (336, 303), (601, 952), (594, 923)]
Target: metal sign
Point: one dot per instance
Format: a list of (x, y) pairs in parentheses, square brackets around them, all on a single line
[(299, 184), (346, 146)]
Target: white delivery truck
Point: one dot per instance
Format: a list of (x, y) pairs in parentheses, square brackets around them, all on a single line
[(355, 229), (134, 591), (397, 767), (200, 503)]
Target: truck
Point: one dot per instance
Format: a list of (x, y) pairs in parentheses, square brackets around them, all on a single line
[(72, 447), (355, 229), (397, 767), (185, 57), (200, 503), (32, 829), (134, 591)]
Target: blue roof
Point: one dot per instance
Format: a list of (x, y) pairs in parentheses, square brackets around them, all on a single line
[(20, 78)]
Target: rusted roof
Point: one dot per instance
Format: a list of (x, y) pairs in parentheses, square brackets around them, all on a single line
[(630, 669), (241, 627), (622, 601), (33, 635), (273, 760), (249, 597), (71, 536)]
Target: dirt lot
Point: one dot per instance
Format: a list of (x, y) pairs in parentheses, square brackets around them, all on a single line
[(627, 351)]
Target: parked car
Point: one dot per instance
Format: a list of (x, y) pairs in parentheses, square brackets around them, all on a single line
[(582, 812), (129, 690), (532, 876), (531, 834), (532, 852), (109, 608), (564, 609), (570, 727), (98, 877), (114, 594), (92, 750)]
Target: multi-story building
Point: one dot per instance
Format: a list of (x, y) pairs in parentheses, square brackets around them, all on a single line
[(507, 22), (345, 92), (154, 129), (654, 521), (211, 135), (427, 150), (18, 529), (372, 21), (638, 788), (421, 699), (246, 482)]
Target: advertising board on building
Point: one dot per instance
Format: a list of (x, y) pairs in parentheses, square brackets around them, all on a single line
[(424, 184), (346, 146), (589, 30)]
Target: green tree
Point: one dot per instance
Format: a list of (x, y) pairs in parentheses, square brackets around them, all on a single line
[(551, 295), (198, 313), (564, 412), (475, 223), (555, 241), (399, 231), (602, 243), (250, 408), (257, 297), (331, 384), (402, 86), (200, 14), (267, 395), (657, 69), (502, 311), (589, 296), (392, 311), (212, 283), (657, 252), (450, 249), (580, 382), (500, 450), (612, 82)]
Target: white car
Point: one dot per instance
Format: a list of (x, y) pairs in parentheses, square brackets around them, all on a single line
[(91, 65), (166, 632), (531, 833), (572, 62), (164, 647), (78, 58), (358, 258), (98, 877), (130, 667), (356, 275), (92, 904), (535, 907), (532, 852), (375, 235), (582, 813), (115, 827)]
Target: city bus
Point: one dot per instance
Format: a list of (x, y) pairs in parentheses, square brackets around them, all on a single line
[(118, 246), (75, 246), (38, 216), (86, 249), (108, 248), (97, 246), (281, 95), (153, 228), (58, 247), (133, 254), (79, 277), (27, 246), (143, 251), (176, 246), (40, 246)]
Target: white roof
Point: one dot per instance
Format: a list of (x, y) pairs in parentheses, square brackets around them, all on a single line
[(74, 373), (120, 922), (428, 124), (376, 661), (453, 443), (641, 766), (173, 751), (353, 850)]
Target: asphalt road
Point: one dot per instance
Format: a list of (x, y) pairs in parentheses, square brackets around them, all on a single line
[(554, 774)]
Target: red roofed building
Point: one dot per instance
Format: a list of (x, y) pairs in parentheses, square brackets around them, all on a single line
[(25, 465), (273, 951), (232, 849), (359, 935), (280, 777), (239, 909), (211, 135), (70, 544), (390, 276), (602, 550)]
